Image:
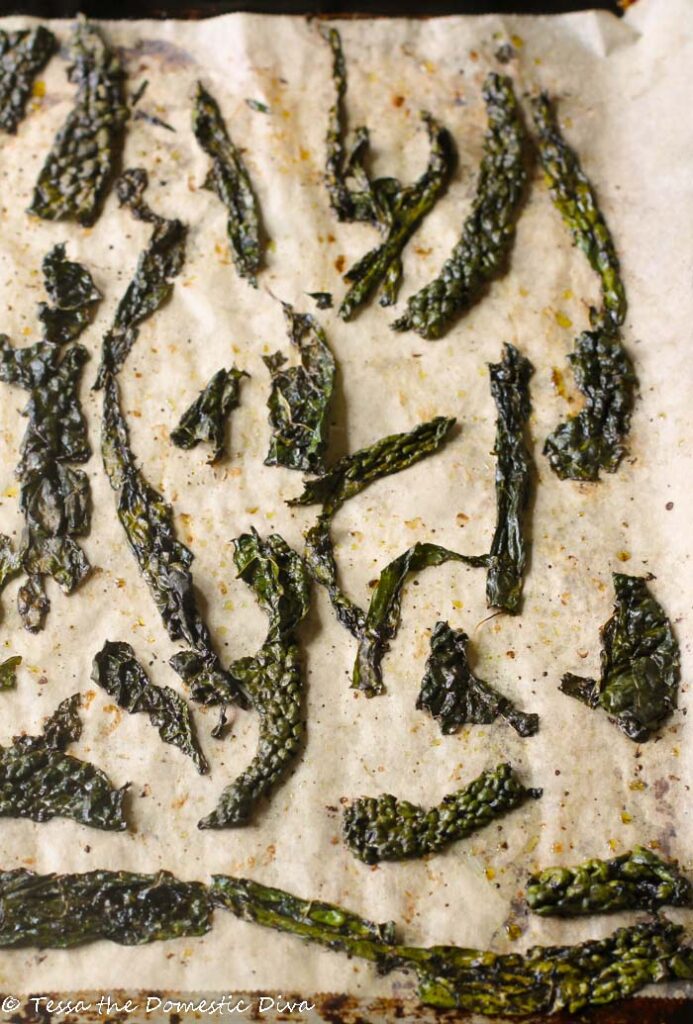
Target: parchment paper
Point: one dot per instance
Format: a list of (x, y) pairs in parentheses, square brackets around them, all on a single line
[(624, 94)]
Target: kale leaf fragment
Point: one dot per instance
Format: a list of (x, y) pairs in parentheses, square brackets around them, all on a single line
[(22, 55), (205, 419)]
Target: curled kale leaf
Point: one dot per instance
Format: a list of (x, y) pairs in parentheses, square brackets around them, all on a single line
[(229, 179), (489, 231), (637, 880), (640, 663), (118, 671), (62, 911), (205, 419), (22, 55), (299, 403), (396, 210), (453, 695), (385, 828), (78, 171), (38, 780)]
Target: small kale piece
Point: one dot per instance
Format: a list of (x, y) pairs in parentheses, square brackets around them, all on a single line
[(22, 55), (385, 828), (8, 672), (118, 671), (453, 695), (205, 419), (299, 402), (489, 231), (78, 171), (640, 663), (323, 300), (229, 179), (637, 880), (508, 557), (38, 780), (62, 911), (73, 298)]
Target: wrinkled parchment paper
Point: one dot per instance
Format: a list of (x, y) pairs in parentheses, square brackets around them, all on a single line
[(624, 93)]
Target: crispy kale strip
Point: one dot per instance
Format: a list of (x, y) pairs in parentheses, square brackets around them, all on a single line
[(489, 231), (62, 911), (38, 780), (272, 678), (78, 171), (205, 419), (55, 498), (229, 179), (640, 663), (396, 210), (299, 402), (545, 979), (385, 828), (637, 880), (507, 559), (454, 696), (8, 672), (593, 439), (384, 612), (117, 670), (347, 478), (152, 284), (22, 55), (163, 560)]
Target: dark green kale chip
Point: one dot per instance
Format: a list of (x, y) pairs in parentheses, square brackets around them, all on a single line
[(205, 419), (22, 55), (319, 556), (508, 557), (489, 231), (118, 671), (640, 663), (38, 780), (229, 179), (299, 402), (593, 439), (323, 300), (143, 115), (396, 210), (8, 672), (385, 828), (152, 283), (637, 880), (78, 171), (164, 561), (55, 498), (385, 610), (62, 911), (272, 679), (546, 979), (454, 696)]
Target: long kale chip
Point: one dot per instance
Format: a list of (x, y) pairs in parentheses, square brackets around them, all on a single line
[(385, 828), (489, 231), (453, 695), (152, 283), (205, 419), (117, 670), (299, 403), (62, 911), (22, 55), (271, 679), (546, 979), (38, 780), (637, 880), (593, 439), (164, 561), (229, 179), (640, 663), (54, 498), (385, 610), (78, 170), (396, 210), (508, 557)]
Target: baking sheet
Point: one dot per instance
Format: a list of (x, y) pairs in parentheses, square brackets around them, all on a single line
[(623, 89)]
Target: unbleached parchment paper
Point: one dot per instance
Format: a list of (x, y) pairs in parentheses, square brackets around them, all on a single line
[(623, 88)]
